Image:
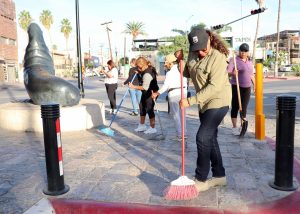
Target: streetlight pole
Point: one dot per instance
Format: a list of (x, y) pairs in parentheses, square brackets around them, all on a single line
[(79, 66), (186, 29), (107, 30)]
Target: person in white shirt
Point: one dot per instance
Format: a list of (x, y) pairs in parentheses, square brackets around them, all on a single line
[(173, 86), (111, 85)]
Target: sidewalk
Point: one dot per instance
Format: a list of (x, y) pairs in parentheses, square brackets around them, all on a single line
[(111, 173)]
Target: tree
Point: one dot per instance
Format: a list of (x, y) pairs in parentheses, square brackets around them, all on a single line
[(260, 4), (277, 43), (24, 19), (134, 29), (46, 19), (66, 29), (181, 32), (179, 42), (201, 25)]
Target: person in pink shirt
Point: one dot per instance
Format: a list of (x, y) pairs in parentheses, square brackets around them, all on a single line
[(245, 77)]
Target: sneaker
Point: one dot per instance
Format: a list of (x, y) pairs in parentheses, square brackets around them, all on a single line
[(111, 111), (150, 131), (236, 131), (217, 181), (114, 111), (134, 113), (201, 186), (141, 128)]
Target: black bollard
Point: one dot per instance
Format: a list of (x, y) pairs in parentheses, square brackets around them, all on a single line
[(53, 150), (284, 154)]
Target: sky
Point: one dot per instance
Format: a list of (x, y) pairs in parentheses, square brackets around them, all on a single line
[(159, 18)]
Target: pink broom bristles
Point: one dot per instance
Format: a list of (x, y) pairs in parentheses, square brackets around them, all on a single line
[(182, 188)]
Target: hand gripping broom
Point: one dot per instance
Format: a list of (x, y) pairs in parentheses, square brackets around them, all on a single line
[(182, 188), (107, 130), (243, 120)]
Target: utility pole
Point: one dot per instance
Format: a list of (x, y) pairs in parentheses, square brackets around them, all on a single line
[(101, 54), (124, 52), (89, 50), (107, 30), (79, 66)]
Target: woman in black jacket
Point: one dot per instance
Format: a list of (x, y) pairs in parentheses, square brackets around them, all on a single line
[(149, 85), (135, 94)]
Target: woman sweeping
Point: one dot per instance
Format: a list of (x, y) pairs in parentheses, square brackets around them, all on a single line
[(206, 66)]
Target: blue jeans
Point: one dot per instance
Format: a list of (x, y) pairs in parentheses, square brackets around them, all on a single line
[(135, 96), (207, 144)]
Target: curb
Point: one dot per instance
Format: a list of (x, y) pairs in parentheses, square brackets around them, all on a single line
[(44, 206)]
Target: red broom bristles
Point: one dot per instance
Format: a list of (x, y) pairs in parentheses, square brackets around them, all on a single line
[(174, 192)]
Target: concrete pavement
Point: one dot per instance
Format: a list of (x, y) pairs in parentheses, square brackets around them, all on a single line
[(128, 170)]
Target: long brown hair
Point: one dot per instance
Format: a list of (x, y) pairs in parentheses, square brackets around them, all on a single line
[(111, 63), (144, 63), (217, 43)]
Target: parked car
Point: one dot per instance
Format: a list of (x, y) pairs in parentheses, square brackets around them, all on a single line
[(285, 68), (89, 73)]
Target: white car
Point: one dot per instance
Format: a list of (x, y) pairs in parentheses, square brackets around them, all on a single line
[(285, 68), (89, 73)]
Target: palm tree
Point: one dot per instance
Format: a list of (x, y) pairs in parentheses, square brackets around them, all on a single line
[(66, 29), (134, 29), (260, 4), (46, 19), (181, 32), (24, 19), (277, 43)]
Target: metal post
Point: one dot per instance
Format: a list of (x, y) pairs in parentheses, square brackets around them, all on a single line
[(259, 103), (79, 66), (53, 150), (284, 155)]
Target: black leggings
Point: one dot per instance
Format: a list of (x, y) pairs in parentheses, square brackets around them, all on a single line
[(147, 106), (245, 97), (111, 93)]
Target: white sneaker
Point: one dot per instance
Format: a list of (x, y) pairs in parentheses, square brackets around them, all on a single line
[(236, 131), (141, 128), (150, 131), (114, 111)]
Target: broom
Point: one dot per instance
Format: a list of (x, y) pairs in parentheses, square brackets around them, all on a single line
[(182, 188), (243, 120), (107, 130)]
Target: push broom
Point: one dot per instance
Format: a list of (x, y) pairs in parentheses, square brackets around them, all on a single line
[(182, 188), (107, 130), (243, 120)]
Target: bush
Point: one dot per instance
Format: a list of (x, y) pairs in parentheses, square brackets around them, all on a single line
[(296, 69)]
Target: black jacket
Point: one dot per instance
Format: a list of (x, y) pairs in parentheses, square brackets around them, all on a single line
[(137, 80)]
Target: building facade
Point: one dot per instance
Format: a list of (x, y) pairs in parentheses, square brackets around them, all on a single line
[(8, 42), (289, 42)]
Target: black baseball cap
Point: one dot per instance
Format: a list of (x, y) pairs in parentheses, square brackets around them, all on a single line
[(244, 47), (198, 39)]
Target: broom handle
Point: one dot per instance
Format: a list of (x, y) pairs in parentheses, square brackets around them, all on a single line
[(182, 116), (237, 83), (114, 116)]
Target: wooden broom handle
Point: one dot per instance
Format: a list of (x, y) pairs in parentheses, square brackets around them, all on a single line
[(237, 82)]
